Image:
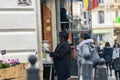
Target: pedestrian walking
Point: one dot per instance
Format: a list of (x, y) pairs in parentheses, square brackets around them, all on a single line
[(83, 49), (115, 56), (107, 55), (62, 57), (100, 50)]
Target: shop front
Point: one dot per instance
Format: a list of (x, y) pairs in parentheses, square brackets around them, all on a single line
[(48, 15), (117, 32), (104, 35)]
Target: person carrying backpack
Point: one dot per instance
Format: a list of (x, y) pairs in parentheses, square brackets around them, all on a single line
[(86, 44)]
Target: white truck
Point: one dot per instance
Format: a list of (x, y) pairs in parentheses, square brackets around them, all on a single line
[(19, 23)]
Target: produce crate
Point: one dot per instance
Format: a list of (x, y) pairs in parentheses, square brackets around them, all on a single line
[(13, 72), (2, 74), (19, 78)]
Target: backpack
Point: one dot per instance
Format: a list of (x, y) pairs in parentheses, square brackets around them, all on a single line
[(95, 58)]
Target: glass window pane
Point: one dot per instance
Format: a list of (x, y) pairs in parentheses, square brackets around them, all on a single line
[(101, 16)]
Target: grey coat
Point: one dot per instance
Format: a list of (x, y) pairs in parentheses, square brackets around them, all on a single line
[(84, 49)]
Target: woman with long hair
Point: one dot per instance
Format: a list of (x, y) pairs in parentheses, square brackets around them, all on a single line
[(115, 55), (107, 55)]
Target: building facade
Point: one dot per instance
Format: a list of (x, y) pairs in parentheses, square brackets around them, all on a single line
[(104, 25), (19, 25)]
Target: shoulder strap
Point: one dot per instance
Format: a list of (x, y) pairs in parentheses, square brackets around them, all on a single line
[(119, 53), (89, 46)]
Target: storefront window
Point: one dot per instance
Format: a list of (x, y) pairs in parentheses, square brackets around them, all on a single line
[(101, 1), (100, 37)]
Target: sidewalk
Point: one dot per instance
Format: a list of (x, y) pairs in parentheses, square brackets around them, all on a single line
[(109, 78), (112, 77)]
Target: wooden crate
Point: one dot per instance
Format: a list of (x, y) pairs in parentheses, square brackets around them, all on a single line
[(20, 78), (2, 74), (19, 70), (13, 72), (10, 72)]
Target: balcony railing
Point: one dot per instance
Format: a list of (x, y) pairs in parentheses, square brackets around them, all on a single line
[(117, 1), (115, 4)]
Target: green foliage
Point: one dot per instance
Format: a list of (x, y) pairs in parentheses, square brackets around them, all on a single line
[(1, 65), (5, 65), (117, 20)]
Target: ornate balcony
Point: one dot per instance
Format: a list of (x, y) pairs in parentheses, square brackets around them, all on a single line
[(115, 4)]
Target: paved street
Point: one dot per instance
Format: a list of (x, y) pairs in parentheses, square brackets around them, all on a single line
[(112, 77), (109, 78)]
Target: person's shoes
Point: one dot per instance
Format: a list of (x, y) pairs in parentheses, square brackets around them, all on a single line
[(110, 74), (116, 78)]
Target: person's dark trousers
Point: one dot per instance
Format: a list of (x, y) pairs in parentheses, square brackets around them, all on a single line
[(117, 75), (101, 55), (47, 72), (109, 67), (74, 67)]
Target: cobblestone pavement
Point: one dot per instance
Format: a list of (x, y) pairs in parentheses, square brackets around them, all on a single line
[(109, 78)]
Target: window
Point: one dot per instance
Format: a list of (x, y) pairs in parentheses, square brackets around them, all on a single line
[(117, 1), (85, 18), (101, 1), (101, 37), (101, 16), (116, 14)]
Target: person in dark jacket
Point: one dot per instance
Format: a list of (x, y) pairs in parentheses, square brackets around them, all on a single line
[(62, 57), (107, 55), (100, 50)]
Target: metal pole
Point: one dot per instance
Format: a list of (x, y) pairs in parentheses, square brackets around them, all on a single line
[(58, 16), (90, 16), (69, 14), (87, 68), (33, 72), (71, 8), (58, 24), (102, 70)]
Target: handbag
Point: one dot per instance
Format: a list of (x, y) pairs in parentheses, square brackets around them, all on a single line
[(116, 64), (95, 58)]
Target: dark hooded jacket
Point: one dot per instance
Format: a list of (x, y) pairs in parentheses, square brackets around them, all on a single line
[(62, 60)]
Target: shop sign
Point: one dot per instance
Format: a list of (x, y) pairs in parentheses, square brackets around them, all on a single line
[(48, 28), (99, 31), (117, 20)]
